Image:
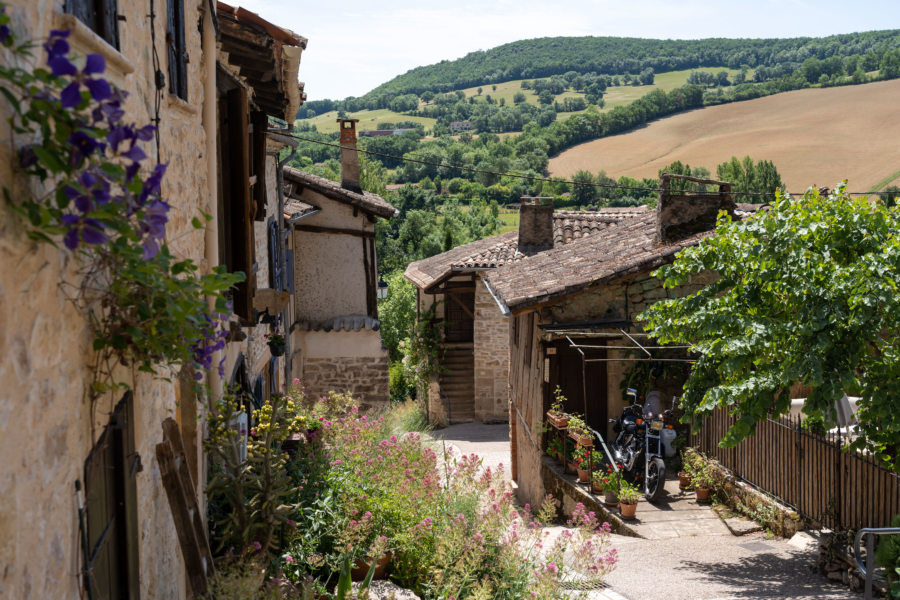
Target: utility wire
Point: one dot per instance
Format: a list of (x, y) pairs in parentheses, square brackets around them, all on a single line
[(535, 178)]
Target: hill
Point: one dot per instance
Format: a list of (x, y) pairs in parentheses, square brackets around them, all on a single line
[(543, 57), (814, 136)]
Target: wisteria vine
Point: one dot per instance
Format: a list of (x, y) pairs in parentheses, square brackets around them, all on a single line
[(103, 201)]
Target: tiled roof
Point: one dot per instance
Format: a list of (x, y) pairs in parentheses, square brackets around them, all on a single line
[(294, 209), (630, 247), (366, 201), (501, 249)]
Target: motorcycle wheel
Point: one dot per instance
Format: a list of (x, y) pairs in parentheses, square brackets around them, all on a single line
[(656, 479)]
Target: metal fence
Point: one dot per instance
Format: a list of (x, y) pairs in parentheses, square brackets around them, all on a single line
[(807, 471)]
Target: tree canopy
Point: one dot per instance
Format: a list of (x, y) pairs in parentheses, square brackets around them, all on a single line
[(807, 292)]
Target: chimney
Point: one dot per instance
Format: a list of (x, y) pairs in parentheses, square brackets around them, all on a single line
[(680, 215), (349, 156), (535, 224)]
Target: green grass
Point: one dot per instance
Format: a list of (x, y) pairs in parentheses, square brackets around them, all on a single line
[(368, 119), (510, 220), (884, 182)]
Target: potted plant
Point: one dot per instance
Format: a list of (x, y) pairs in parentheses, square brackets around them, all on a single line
[(582, 463), (628, 499), (702, 480), (579, 431), (570, 459), (557, 415), (277, 343), (684, 475), (555, 447), (611, 483)]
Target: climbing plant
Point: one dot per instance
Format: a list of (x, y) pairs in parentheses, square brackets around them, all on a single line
[(98, 198), (807, 292)]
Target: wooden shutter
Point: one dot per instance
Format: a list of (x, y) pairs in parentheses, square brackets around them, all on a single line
[(241, 231), (260, 123), (101, 16), (176, 48), (111, 508)]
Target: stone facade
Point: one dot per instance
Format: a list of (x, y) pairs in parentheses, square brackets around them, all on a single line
[(364, 377), (46, 426), (491, 349)]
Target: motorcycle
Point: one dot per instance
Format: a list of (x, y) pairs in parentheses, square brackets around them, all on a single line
[(638, 446)]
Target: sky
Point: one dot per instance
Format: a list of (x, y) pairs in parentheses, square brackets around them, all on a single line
[(356, 45)]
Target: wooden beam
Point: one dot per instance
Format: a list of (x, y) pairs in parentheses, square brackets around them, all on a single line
[(182, 498), (452, 296), (334, 230)]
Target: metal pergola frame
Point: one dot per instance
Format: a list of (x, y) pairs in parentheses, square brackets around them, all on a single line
[(567, 333)]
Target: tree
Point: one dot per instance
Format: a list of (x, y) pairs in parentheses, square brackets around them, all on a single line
[(806, 292), (583, 187), (518, 98), (397, 313), (479, 91)]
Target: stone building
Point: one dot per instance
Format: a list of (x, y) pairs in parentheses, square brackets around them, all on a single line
[(473, 381), (222, 75), (335, 338), (587, 294)]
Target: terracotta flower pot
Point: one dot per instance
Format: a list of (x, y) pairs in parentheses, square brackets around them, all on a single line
[(628, 510), (702, 494), (684, 482), (583, 475), (596, 488), (361, 568), (570, 467), (585, 440), (611, 499)]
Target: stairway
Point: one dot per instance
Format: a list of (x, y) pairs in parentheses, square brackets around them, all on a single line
[(457, 379)]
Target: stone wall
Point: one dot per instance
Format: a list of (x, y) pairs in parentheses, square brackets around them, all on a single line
[(491, 349), (46, 426), (364, 377)]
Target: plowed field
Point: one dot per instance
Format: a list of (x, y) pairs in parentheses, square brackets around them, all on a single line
[(814, 137)]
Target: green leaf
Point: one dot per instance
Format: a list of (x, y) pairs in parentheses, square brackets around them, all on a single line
[(49, 159)]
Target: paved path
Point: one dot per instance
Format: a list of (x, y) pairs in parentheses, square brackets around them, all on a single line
[(687, 552)]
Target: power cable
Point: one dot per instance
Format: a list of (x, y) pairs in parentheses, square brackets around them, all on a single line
[(535, 178)]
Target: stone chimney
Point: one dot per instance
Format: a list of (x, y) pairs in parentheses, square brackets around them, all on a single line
[(682, 214), (349, 156), (535, 224)]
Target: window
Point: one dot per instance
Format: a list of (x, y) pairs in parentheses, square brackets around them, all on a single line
[(176, 48), (235, 218), (276, 268), (111, 509), (100, 15)]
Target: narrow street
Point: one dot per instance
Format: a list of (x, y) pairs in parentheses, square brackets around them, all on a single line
[(686, 552)]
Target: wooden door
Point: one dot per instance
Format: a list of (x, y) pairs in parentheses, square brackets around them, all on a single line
[(459, 316)]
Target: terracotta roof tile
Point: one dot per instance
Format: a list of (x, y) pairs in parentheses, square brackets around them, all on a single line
[(628, 246), (502, 249)]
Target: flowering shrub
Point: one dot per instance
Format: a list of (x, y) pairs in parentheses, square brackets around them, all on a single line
[(450, 524), (99, 198), (251, 493)]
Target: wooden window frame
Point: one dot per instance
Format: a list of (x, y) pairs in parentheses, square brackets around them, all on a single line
[(101, 16), (236, 240), (110, 470), (176, 49)]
